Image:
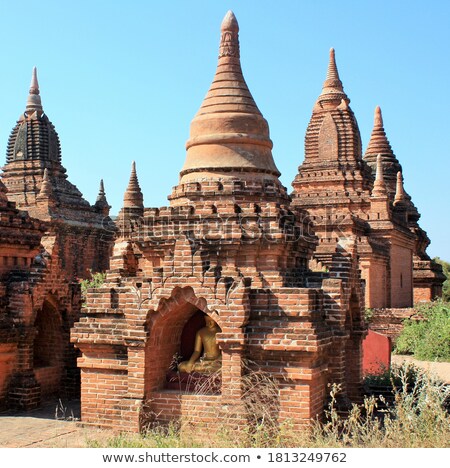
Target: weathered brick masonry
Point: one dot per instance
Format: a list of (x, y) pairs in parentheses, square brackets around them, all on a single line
[(281, 275), (230, 245), (360, 203), (43, 258)]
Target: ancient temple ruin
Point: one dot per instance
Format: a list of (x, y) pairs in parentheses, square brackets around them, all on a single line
[(235, 267), (360, 203), (45, 250), (230, 246)]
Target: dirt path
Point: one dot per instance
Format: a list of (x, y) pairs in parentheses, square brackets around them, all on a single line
[(53, 425), (440, 369)]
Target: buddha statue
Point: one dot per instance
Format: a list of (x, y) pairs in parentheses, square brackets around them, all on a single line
[(205, 340)]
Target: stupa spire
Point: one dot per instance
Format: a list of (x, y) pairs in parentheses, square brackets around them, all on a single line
[(46, 190), (228, 135), (379, 177), (332, 79), (34, 99), (400, 196), (379, 186), (102, 203), (133, 197), (332, 89), (101, 192), (229, 40), (378, 143), (378, 119)]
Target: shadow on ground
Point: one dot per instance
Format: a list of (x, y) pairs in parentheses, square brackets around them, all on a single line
[(54, 424)]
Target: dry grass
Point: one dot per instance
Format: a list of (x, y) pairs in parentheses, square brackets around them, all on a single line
[(416, 419)]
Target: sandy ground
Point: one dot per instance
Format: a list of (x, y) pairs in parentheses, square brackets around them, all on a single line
[(55, 424), (439, 369)]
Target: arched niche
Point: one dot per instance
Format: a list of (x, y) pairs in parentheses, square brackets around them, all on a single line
[(328, 139), (177, 319), (48, 347)]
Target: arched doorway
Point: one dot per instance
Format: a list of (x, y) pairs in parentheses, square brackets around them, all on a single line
[(48, 346)]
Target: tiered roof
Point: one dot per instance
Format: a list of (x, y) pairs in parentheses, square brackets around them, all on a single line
[(229, 135)]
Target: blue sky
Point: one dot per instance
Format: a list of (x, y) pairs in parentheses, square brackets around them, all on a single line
[(121, 81)]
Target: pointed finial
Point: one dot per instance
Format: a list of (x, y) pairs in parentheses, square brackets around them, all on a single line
[(378, 118), (34, 86), (229, 39), (379, 186), (101, 203), (229, 22), (133, 197), (332, 89), (379, 144), (379, 174), (332, 79), (332, 72), (400, 191), (101, 193), (46, 187), (34, 99)]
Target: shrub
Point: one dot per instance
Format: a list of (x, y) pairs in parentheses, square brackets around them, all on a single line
[(416, 419), (446, 286), (96, 280), (396, 376), (368, 315), (428, 338)]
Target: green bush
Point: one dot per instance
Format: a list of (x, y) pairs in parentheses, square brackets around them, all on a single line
[(96, 280), (446, 286), (427, 339)]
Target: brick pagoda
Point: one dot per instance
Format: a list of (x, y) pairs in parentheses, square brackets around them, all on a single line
[(359, 204), (232, 246), (427, 274), (45, 256)]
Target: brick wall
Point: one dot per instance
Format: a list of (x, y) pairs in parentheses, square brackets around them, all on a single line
[(389, 322), (401, 277)]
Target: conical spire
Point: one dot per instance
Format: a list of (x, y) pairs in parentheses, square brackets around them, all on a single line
[(228, 135), (378, 143), (133, 197), (102, 203), (101, 192), (46, 190), (379, 175), (34, 99), (379, 186), (378, 118), (229, 41), (400, 196), (229, 91), (332, 90)]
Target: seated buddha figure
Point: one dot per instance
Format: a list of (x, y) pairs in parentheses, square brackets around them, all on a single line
[(205, 340)]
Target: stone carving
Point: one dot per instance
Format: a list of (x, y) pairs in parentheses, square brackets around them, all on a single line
[(229, 40)]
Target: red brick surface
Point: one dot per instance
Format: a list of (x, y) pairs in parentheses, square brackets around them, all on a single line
[(281, 276)]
